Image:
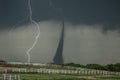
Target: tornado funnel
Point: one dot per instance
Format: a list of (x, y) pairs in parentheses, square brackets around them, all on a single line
[(58, 58)]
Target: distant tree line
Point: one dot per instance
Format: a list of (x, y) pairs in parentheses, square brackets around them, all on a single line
[(2, 62), (108, 67)]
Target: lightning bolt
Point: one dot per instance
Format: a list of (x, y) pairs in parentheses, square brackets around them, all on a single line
[(38, 32)]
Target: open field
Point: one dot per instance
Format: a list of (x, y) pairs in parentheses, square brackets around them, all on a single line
[(65, 77), (56, 77), (38, 71)]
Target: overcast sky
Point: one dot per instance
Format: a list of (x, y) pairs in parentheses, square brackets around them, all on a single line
[(92, 30)]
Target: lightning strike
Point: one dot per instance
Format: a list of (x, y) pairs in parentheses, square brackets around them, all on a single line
[(38, 32)]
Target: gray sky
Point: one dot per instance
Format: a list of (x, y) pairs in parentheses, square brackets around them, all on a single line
[(91, 30)]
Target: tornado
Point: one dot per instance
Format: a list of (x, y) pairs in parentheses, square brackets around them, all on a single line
[(58, 58)]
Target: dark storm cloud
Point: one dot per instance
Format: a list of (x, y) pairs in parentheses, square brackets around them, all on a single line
[(106, 12)]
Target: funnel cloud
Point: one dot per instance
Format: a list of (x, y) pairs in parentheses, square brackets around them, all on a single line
[(58, 58)]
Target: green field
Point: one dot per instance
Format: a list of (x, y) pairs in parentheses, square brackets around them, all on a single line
[(65, 77)]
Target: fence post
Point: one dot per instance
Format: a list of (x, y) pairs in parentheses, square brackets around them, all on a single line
[(4, 77), (10, 77)]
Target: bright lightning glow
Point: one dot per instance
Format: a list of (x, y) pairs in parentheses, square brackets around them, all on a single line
[(38, 32)]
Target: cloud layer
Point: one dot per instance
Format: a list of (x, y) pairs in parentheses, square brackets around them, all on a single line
[(83, 43)]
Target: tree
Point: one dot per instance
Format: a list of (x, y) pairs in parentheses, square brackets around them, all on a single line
[(2, 62)]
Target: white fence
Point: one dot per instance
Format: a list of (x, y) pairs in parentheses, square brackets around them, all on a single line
[(58, 71), (9, 77)]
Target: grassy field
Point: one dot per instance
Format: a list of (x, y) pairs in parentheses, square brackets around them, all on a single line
[(47, 77), (65, 77)]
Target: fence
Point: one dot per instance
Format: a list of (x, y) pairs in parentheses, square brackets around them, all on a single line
[(58, 71), (9, 77)]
